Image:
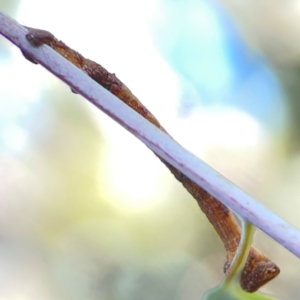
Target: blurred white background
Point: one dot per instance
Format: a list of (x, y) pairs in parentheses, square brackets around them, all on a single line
[(88, 212)]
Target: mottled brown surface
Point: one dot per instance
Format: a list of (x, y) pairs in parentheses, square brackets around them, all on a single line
[(258, 269)]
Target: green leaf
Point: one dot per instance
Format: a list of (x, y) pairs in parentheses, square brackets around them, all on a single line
[(233, 292)]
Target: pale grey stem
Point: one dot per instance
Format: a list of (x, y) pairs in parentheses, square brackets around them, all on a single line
[(164, 146)]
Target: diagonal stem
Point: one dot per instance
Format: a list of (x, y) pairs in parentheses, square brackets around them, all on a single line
[(260, 269), (171, 152)]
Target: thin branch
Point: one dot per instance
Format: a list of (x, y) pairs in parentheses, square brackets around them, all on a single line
[(258, 269), (164, 146)]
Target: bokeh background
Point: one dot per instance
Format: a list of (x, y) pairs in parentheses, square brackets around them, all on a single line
[(87, 211)]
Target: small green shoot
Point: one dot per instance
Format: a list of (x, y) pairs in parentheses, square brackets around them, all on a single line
[(229, 288)]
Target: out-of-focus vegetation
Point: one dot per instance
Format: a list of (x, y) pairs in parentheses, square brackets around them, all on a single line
[(87, 212)]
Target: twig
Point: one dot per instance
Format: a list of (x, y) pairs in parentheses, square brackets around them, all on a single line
[(258, 269), (165, 147)]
